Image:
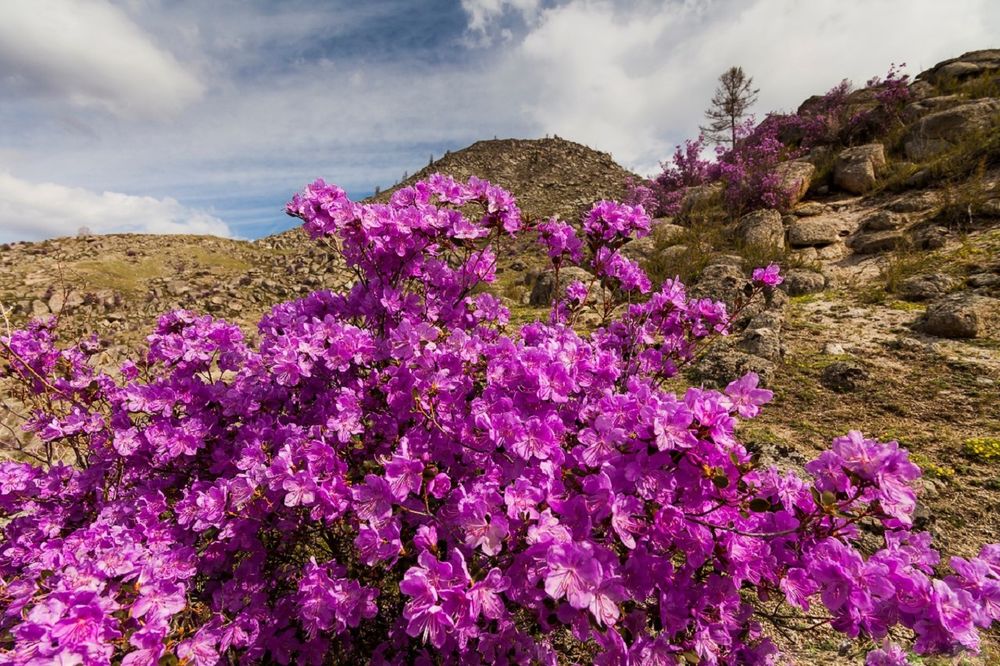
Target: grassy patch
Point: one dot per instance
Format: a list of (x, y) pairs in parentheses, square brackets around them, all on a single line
[(117, 274)]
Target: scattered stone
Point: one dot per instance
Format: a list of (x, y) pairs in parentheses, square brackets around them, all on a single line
[(815, 231), (937, 132), (799, 281), (961, 315), (39, 308), (833, 349), (856, 169), (843, 376), (926, 287), (878, 241), (883, 220), (671, 256), (762, 228)]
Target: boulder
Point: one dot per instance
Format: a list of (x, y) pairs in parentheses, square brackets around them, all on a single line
[(961, 315), (724, 364), (670, 256), (815, 231), (937, 132), (883, 220), (543, 289), (799, 281), (762, 228), (926, 287), (639, 249), (877, 241), (667, 232), (796, 177), (723, 282), (762, 342), (843, 376), (968, 64), (856, 169), (700, 197)]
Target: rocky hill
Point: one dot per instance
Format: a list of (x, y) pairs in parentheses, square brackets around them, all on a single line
[(888, 321)]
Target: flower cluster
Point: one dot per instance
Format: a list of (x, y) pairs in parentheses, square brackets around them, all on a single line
[(397, 475)]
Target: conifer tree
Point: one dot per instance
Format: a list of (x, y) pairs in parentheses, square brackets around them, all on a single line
[(734, 95)]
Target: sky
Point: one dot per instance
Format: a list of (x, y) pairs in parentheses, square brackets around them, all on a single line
[(186, 116)]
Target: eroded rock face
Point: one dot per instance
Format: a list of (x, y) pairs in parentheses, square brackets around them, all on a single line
[(762, 228), (937, 132), (856, 170), (961, 315)]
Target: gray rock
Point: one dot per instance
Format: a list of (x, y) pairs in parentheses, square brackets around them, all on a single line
[(815, 231), (883, 220), (667, 232), (39, 308), (810, 209), (762, 228), (723, 282), (936, 132), (877, 241), (799, 281), (543, 288), (671, 256), (796, 177), (932, 238), (762, 342), (724, 364), (965, 65), (914, 202), (926, 287), (843, 376), (961, 315), (857, 169), (700, 197), (639, 249)]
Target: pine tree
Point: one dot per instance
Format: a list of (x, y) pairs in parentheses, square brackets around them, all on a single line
[(730, 102)]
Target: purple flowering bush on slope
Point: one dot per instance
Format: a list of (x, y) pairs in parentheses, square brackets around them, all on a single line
[(396, 475)]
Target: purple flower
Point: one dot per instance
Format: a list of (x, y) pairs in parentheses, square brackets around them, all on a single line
[(769, 276), (573, 572)]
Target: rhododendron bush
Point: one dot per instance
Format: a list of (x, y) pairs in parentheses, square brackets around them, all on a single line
[(398, 475)]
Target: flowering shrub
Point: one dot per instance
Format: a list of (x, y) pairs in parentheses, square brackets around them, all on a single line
[(395, 475), (748, 171)]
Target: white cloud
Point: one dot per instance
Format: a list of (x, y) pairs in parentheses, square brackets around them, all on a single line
[(484, 14), (635, 78), (89, 53), (42, 210)]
